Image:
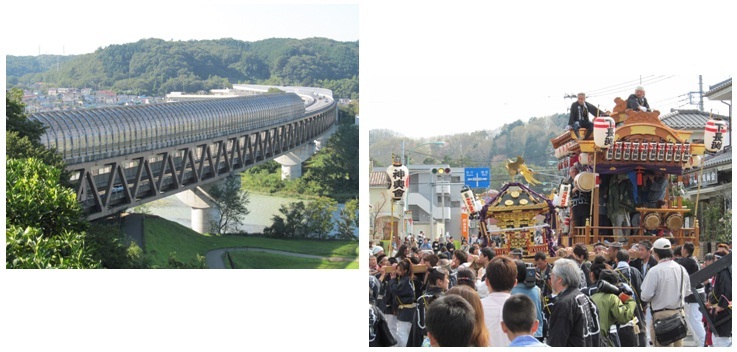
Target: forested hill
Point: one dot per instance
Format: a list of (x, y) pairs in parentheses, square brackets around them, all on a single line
[(476, 149), (157, 67)]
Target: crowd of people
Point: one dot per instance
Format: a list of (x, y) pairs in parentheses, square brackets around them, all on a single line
[(471, 297)]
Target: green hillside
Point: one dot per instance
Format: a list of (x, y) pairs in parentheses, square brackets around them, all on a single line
[(163, 237), (484, 148), (157, 67)]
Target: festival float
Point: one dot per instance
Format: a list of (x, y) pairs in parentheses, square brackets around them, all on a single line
[(631, 151), (633, 155)]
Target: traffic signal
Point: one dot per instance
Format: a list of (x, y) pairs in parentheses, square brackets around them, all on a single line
[(441, 171)]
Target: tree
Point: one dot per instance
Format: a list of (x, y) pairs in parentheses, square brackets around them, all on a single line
[(34, 198), (335, 167), (31, 248), (716, 221), (376, 215), (319, 217), (292, 225), (16, 119), (348, 220), (231, 202), (113, 249)]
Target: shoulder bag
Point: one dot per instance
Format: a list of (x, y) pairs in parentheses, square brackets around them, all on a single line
[(672, 328)]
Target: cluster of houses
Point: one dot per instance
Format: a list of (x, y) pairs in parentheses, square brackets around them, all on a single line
[(57, 99)]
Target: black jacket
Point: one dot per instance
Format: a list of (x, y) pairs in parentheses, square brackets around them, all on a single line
[(404, 295), (721, 295), (384, 299), (418, 331), (545, 288), (637, 264), (574, 321), (634, 103), (632, 277), (691, 266), (379, 333), (581, 112)]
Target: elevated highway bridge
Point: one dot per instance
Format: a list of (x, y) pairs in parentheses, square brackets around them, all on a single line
[(121, 157)]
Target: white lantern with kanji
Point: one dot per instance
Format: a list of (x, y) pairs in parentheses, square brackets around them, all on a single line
[(714, 135), (398, 177), (604, 131), (469, 200)]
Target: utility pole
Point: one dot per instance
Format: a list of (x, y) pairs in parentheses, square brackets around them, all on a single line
[(701, 95)]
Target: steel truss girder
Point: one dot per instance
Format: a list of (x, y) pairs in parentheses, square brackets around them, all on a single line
[(156, 174)]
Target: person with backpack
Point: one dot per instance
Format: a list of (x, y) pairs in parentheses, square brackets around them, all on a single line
[(615, 306), (526, 286), (631, 277)]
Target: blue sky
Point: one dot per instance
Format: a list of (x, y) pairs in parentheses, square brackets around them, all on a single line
[(80, 27)]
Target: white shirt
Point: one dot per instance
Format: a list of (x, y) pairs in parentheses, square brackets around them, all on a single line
[(482, 289), (493, 304), (663, 283)]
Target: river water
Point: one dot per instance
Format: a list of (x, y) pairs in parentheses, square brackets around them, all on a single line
[(262, 207)]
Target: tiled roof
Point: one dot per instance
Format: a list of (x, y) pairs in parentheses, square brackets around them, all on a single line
[(718, 86), (687, 119), (379, 179), (723, 157)]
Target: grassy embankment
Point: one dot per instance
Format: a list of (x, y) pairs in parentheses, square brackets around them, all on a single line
[(258, 260), (162, 237)]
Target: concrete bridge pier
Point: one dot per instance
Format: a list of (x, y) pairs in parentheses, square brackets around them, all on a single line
[(323, 139), (291, 162), (201, 203)]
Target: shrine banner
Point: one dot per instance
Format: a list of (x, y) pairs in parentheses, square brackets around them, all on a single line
[(464, 225), (565, 194)]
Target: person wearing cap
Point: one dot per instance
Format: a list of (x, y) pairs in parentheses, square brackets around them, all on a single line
[(665, 286), (579, 117), (637, 101)]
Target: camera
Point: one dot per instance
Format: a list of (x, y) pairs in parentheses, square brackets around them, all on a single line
[(530, 277), (626, 289), (606, 287)]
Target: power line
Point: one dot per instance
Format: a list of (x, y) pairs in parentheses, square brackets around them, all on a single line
[(616, 85), (671, 98), (650, 81), (623, 88)]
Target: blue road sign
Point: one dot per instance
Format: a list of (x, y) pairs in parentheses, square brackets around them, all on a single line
[(477, 177)]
